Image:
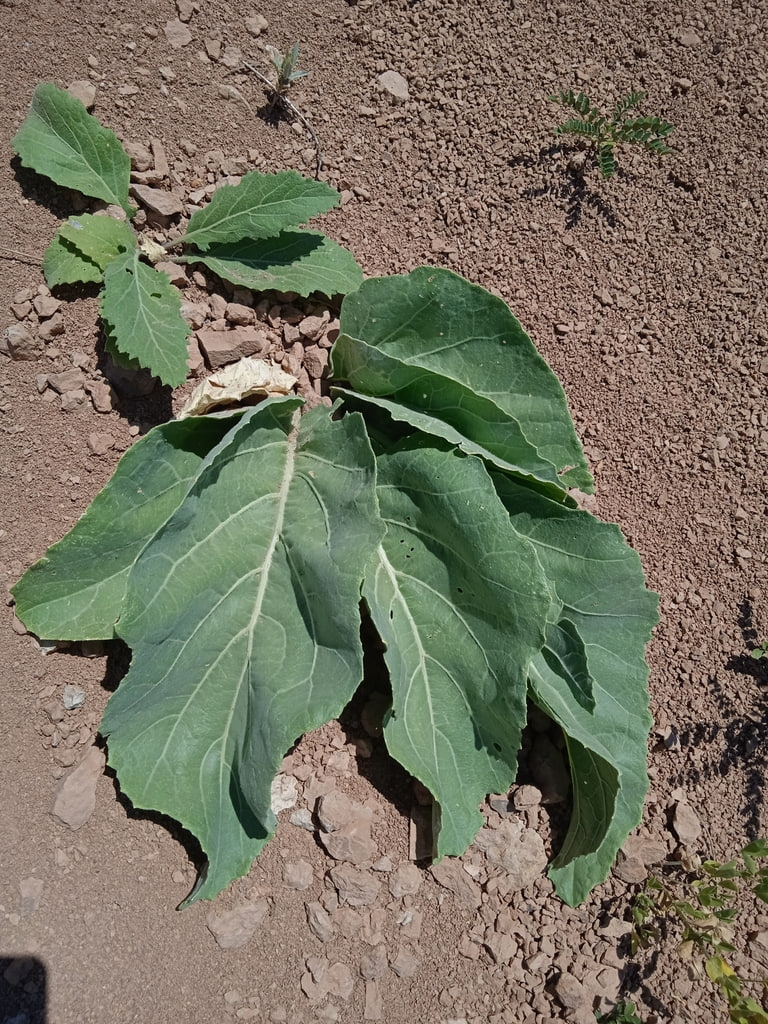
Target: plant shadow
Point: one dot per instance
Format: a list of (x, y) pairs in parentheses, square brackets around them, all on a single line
[(571, 191)]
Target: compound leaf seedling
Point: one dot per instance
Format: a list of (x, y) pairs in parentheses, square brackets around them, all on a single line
[(606, 133)]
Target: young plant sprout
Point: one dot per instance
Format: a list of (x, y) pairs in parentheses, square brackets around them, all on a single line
[(605, 133)]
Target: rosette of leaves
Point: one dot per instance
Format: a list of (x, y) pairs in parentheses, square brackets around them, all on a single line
[(232, 555), (248, 235), (606, 133)]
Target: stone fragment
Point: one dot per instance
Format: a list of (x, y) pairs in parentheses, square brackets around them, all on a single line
[(102, 395), (686, 824), (316, 361), (451, 875), (232, 57), (72, 400), (518, 850), (374, 1004), (312, 327), (51, 328), (223, 347), (31, 890), (393, 83), (374, 964), (689, 38), (405, 964), (100, 442), (20, 344), (526, 796), (84, 91), (185, 8), (405, 880), (160, 158), (46, 306), (176, 274), (502, 947), (237, 313), (75, 798), (346, 828), (348, 921), (157, 200), (213, 49), (284, 793), (256, 24), (354, 887), (630, 870), (648, 851), (234, 928), (177, 34), (410, 922), (141, 157), (319, 921), (468, 947), (68, 380), (570, 992), (297, 874)]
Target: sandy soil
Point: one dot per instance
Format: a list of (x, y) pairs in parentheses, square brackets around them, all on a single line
[(645, 293)]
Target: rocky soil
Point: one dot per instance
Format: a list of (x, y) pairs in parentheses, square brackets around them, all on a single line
[(646, 294)]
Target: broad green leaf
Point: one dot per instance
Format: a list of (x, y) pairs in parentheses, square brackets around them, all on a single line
[(242, 615), (76, 591), (143, 313), (83, 247), (460, 602), (61, 140), (294, 261), (260, 206), (433, 392), (599, 580), (565, 654), (446, 349)]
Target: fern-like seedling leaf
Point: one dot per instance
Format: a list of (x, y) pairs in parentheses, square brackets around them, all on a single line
[(61, 140), (606, 160), (627, 103)]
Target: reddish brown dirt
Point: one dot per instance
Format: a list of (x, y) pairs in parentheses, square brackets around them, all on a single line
[(645, 293)]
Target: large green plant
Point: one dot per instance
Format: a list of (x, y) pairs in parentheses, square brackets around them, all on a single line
[(232, 553), (248, 234)]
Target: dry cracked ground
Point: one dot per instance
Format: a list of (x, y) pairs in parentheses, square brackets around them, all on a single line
[(645, 293)]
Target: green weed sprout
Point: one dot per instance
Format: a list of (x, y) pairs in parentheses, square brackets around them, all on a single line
[(285, 66), (605, 134), (707, 914), (761, 651)]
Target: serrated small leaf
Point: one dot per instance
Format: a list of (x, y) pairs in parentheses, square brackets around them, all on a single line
[(293, 261), (99, 238), (64, 264), (143, 312), (260, 206), (242, 615), (76, 591), (83, 247), (61, 140)]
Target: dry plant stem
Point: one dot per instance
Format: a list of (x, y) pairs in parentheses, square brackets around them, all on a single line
[(16, 254), (278, 97)]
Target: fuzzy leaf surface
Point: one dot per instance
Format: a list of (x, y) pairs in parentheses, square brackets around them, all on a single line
[(61, 140), (143, 312), (260, 206), (460, 601), (294, 261), (438, 345), (600, 585), (76, 591), (83, 247), (242, 614)]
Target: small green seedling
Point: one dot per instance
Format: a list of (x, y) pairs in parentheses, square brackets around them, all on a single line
[(285, 66), (605, 134), (622, 1013), (760, 652), (703, 909)]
